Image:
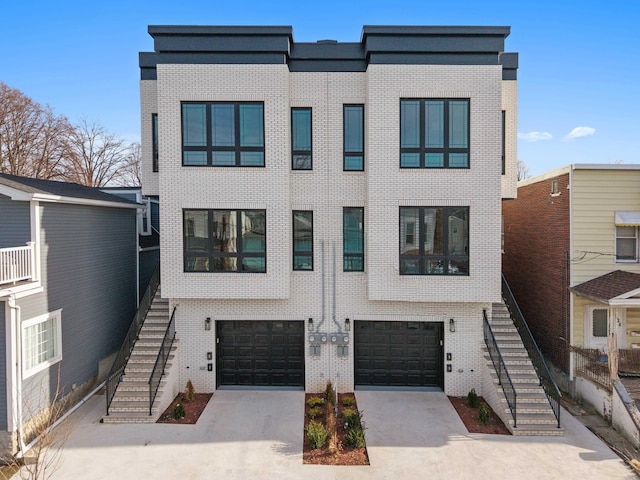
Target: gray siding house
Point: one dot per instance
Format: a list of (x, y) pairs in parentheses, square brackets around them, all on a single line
[(68, 274)]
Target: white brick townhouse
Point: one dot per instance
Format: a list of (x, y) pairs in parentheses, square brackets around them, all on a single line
[(329, 210)]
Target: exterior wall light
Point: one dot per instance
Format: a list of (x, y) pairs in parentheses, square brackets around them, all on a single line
[(310, 324), (452, 325), (207, 323), (347, 325)]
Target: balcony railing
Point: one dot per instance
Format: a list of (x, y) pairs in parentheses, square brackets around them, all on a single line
[(17, 264)]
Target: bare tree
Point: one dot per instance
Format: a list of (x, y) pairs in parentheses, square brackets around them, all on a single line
[(33, 140), (523, 170), (131, 169), (96, 156)]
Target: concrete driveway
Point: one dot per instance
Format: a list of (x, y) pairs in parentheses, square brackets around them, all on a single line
[(258, 435)]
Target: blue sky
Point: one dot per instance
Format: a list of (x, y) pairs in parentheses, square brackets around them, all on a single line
[(579, 60)]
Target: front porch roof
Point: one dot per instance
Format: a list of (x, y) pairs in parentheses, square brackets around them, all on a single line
[(617, 288)]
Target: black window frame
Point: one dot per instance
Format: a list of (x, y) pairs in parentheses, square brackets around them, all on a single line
[(154, 142), (295, 152), (421, 256), (209, 148), (301, 253), (211, 254), (346, 154), (346, 256), (446, 149), (504, 136)]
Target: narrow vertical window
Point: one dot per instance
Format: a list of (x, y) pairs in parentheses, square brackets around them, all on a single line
[(353, 139), (504, 136), (302, 240), (353, 239), (301, 158), (154, 140), (626, 244)]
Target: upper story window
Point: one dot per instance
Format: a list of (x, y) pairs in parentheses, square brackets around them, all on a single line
[(154, 141), (353, 239), (434, 133), (434, 240), (302, 240), (504, 139), (225, 241), (223, 134), (301, 158), (626, 244), (353, 138)]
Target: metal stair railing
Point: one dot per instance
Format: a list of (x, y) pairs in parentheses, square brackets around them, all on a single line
[(546, 380), (115, 374), (504, 379), (161, 360)]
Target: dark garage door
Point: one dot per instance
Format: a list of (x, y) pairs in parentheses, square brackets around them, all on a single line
[(261, 353), (399, 354)]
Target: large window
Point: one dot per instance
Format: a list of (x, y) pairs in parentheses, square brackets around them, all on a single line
[(353, 239), (302, 240), (434, 240), (301, 158), (41, 342), (225, 241), (353, 140), (434, 133), (223, 134), (626, 244), (154, 141)]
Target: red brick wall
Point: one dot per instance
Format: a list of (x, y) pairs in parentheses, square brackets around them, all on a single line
[(536, 245)]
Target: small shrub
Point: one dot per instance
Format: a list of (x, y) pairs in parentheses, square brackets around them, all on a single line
[(315, 402), (352, 418), (178, 411), (316, 434), (330, 394), (189, 392), (484, 414), (314, 412), (472, 399), (349, 401), (355, 438)]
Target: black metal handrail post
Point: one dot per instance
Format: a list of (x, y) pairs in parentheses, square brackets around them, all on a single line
[(117, 368), (501, 369), (546, 380), (161, 360)]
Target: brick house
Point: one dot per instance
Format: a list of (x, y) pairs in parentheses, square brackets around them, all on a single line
[(329, 211), (571, 258)]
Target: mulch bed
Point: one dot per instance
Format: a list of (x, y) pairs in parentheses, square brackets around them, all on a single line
[(469, 417), (322, 456), (192, 409)]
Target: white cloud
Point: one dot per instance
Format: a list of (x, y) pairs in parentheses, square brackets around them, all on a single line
[(579, 132), (534, 136)]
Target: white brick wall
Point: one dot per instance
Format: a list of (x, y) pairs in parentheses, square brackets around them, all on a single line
[(380, 293), (148, 106), (510, 106)]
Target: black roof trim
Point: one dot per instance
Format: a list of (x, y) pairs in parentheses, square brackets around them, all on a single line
[(394, 45)]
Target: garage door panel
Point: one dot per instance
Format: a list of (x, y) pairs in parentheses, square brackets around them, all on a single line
[(398, 353), (260, 353)]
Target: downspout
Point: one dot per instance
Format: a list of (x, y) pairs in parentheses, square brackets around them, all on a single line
[(333, 302), (18, 366), (570, 276), (322, 266)]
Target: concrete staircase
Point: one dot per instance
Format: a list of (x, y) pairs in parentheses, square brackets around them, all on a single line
[(533, 412), (131, 401)]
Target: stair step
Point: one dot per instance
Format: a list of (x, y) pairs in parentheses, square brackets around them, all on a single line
[(143, 368), (129, 417), (536, 419), (145, 359)]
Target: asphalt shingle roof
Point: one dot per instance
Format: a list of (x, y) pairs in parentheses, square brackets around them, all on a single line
[(63, 189), (608, 286)]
